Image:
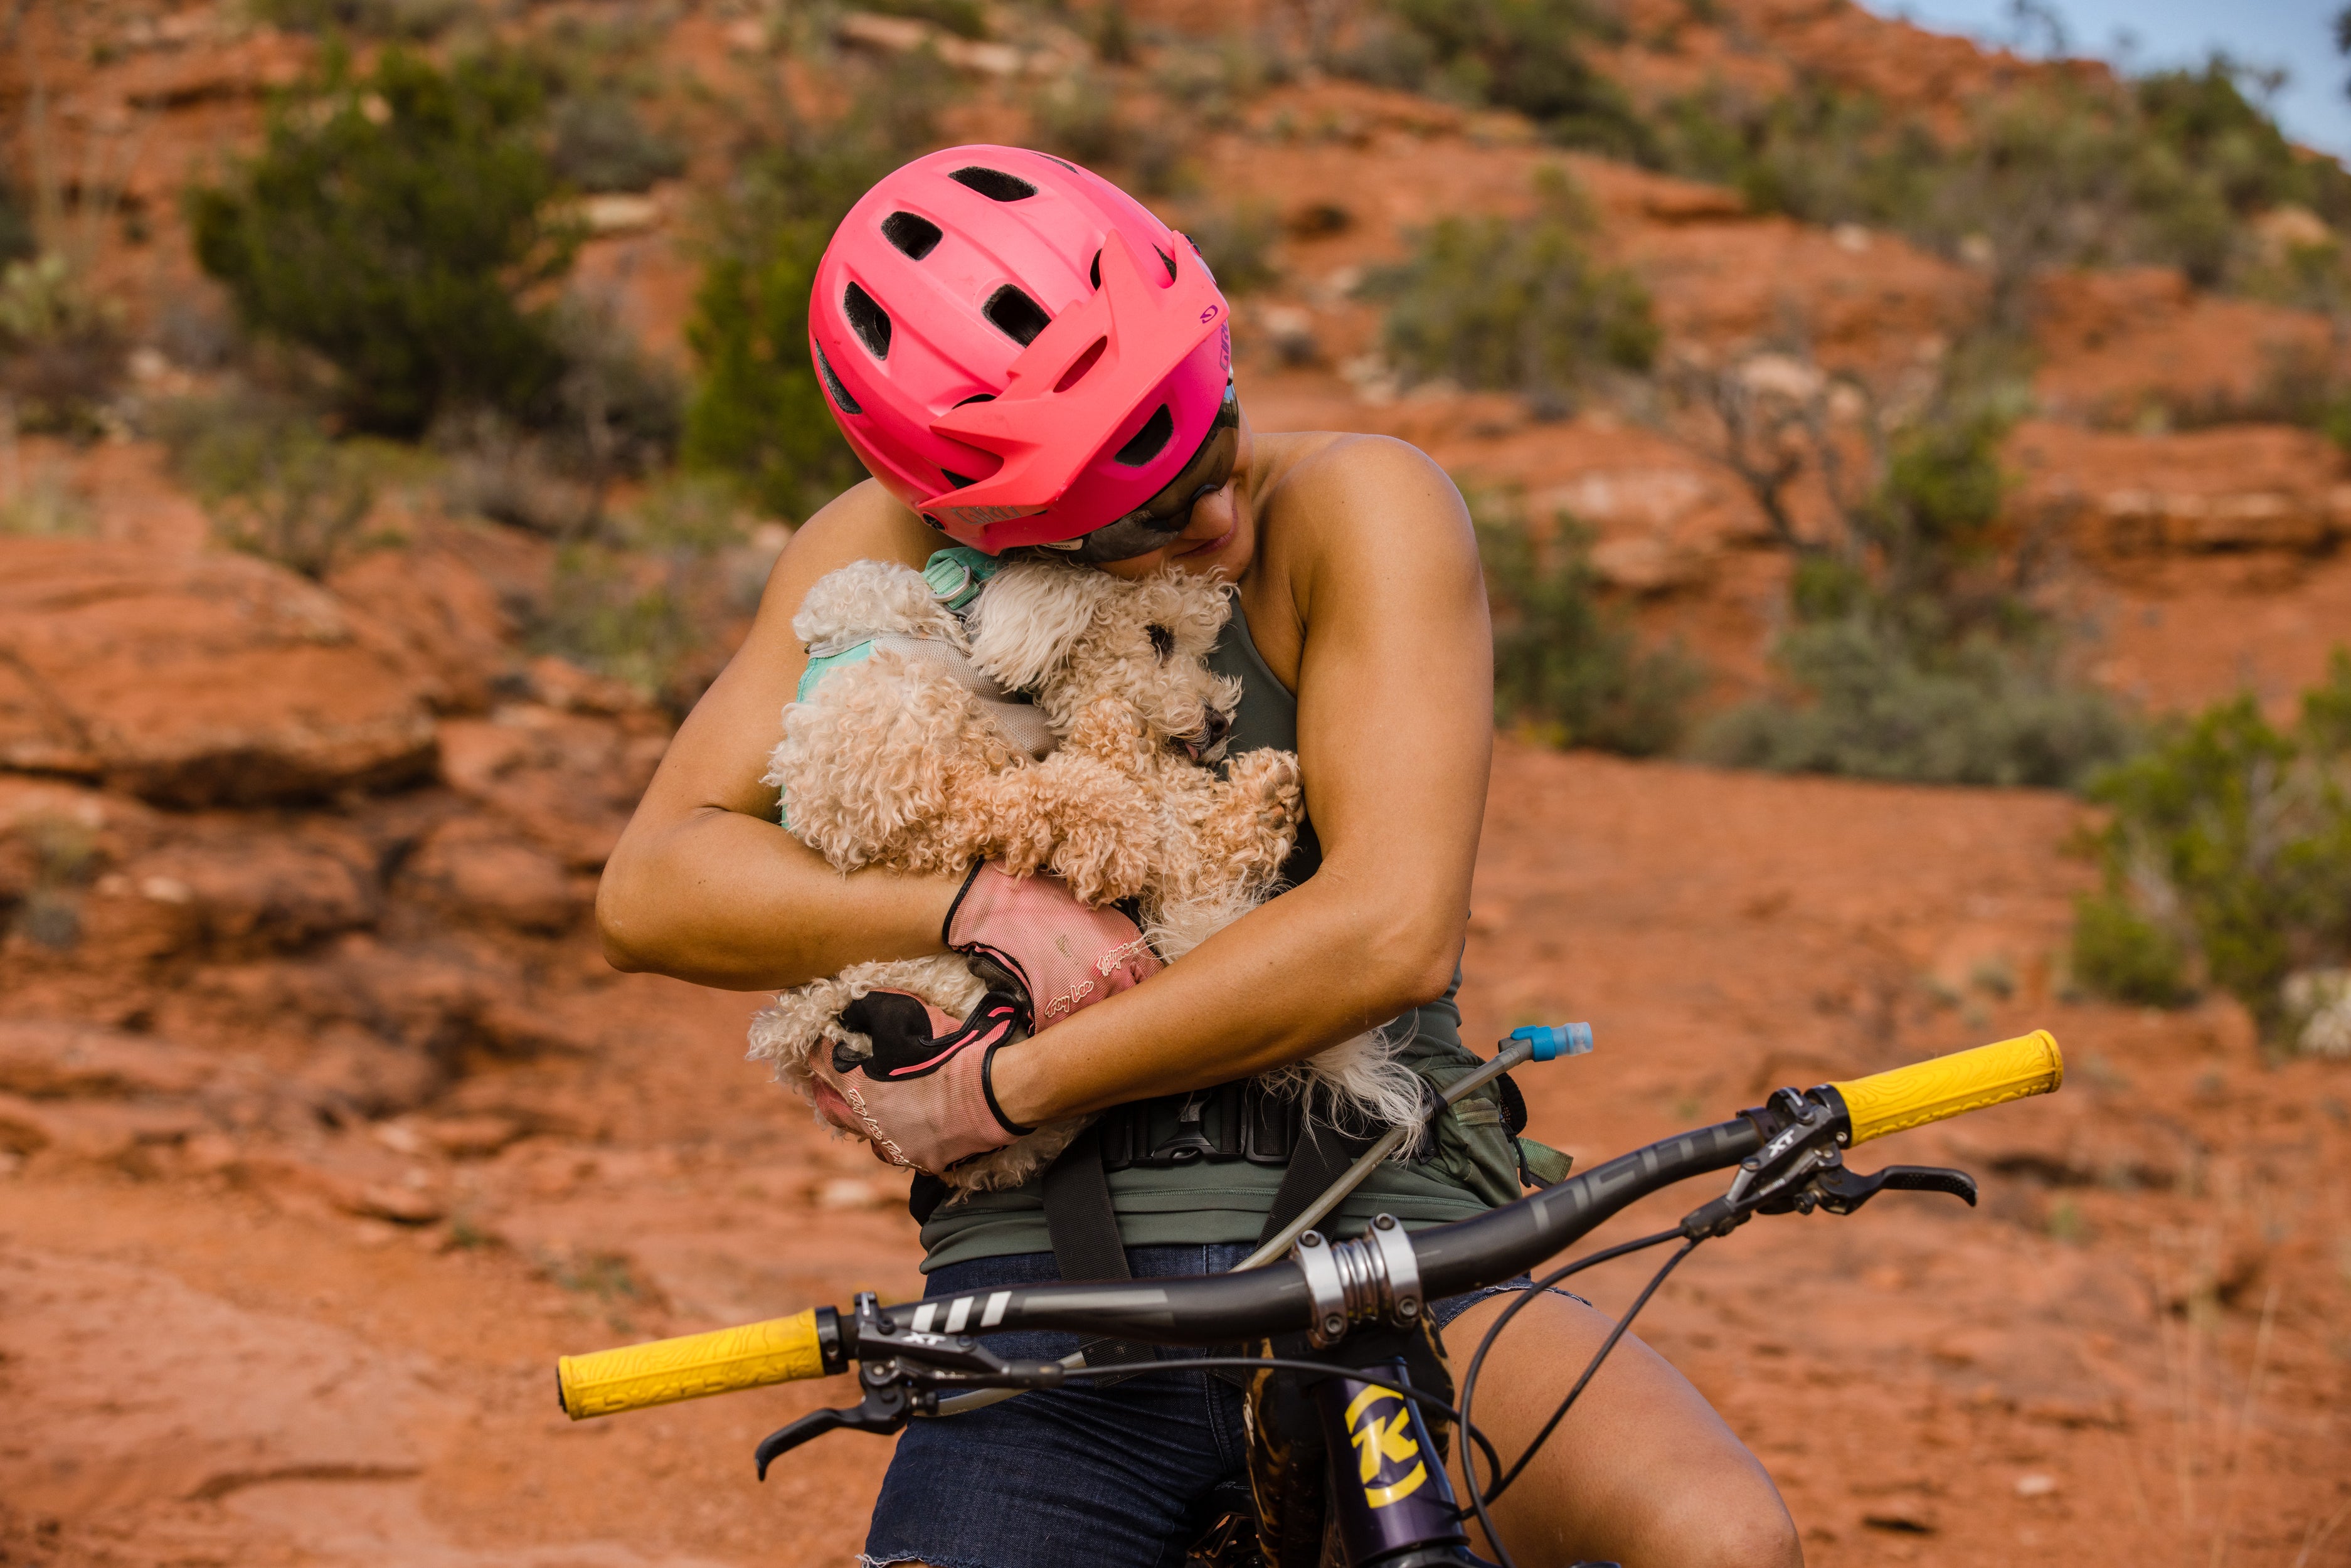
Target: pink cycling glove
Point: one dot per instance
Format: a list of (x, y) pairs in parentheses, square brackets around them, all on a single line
[(922, 1098), (1063, 956)]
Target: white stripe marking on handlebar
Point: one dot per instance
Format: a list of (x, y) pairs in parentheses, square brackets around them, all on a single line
[(923, 1316), (995, 1305), (1126, 1297), (957, 1313)]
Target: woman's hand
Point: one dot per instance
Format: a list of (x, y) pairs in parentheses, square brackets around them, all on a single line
[(1064, 956), (924, 1098), (921, 1097)]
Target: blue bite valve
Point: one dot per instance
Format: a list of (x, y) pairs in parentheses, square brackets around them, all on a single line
[(1552, 1040)]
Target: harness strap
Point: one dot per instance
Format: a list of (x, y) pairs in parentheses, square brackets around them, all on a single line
[(1084, 1231), (1078, 1213)]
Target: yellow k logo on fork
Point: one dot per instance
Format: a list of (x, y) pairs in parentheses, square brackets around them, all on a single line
[(1384, 1446)]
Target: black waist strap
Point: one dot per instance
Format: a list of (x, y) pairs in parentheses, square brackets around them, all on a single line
[(1240, 1121)]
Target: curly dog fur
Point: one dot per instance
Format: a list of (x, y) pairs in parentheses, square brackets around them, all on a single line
[(898, 761)]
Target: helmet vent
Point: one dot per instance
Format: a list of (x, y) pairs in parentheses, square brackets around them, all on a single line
[(870, 323), (1081, 365), (1094, 272), (995, 183), (1150, 441), (1169, 262), (958, 480), (1018, 316), (832, 384), (916, 238)]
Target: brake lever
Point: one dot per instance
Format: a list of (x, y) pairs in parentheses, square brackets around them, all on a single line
[(906, 1384), (1829, 1184), (1842, 1190), (888, 1402)]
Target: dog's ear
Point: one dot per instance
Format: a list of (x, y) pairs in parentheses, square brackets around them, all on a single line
[(1029, 617), (867, 597), (1193, 610)]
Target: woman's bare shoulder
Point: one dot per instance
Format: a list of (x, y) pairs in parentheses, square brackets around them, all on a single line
[(864, 522), (1345, 497), (1346, 481)]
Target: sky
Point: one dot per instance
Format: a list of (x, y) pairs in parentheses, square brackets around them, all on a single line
[(2145, 35)]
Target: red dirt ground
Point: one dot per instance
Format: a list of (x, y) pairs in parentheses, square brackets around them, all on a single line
[(2132, 1352)]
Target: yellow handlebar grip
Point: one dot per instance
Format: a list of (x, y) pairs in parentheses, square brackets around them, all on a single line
[(720, 1362), (1952, 1085)]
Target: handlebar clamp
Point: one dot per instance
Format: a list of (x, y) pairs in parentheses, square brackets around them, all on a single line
[(1373, 1279)]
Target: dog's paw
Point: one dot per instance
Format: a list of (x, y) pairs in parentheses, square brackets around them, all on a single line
[(1268, 781)]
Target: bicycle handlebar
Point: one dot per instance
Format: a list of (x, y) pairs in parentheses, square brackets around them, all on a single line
[(1225, 1309)]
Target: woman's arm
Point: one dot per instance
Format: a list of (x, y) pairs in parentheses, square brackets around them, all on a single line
[(705, 884), (1395, 738)]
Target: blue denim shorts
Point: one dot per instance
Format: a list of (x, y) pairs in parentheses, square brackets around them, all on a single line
[(1124, 1477)]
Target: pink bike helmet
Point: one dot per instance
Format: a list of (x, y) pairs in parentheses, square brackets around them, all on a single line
[(1024, 355)]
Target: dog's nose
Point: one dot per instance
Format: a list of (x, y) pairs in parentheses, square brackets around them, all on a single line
[(1220, 724)]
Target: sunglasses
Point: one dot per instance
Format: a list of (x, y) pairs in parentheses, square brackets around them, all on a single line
[(1152, 525)]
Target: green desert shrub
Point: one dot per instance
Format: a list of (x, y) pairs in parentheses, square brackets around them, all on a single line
[(1211, 84), (61, 348), (1088, 117), (603, 143), (1913, 651), (2120, 952), (395, 223), (1238, 242), (2057, 172), (414, 20), (1874, 703), (2227, 858), (44, 874), (639, 604), (1526, 54), (1079, 118), (20, 239), (273, 479), (1566, 668), (1516, 305), (964, 19), (44, 506), (758, 413)]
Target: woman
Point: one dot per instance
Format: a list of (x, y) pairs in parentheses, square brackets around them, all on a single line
[(1025, 359)]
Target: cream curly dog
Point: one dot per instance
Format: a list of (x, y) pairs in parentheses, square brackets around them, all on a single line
[(916, 757)]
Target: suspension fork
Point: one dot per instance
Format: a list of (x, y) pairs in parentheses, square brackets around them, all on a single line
[(1390, 1503)]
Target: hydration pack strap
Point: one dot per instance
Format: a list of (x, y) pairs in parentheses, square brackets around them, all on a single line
[(1078, 1213), (1084, 1231)]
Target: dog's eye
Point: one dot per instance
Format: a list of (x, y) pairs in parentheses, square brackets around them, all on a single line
[(1162, 639)]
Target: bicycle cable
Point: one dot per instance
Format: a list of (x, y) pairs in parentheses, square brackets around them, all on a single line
[(1478, 1498)]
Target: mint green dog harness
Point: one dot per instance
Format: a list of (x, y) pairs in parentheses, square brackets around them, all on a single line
[(955, 577)]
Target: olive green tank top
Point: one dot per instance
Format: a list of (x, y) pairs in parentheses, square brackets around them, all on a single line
[(1471, 1164)]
